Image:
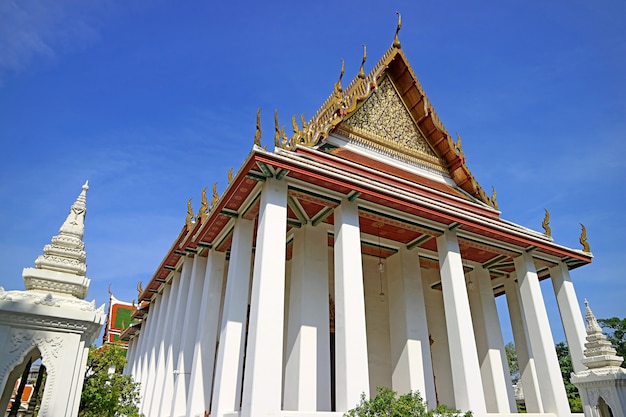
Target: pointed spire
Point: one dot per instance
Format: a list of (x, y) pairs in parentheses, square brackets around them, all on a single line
[(598, 350), (62, 266)]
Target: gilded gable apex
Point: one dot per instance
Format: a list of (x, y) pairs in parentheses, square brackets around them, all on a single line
[(414, 133)]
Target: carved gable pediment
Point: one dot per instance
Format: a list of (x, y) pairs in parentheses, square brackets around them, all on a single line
[(383, 122)]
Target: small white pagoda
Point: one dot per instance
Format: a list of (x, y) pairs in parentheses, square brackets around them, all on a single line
[(51, 320), (602, 386)]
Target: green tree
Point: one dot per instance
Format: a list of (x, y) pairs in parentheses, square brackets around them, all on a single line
[(387, 403), (511, 358), (565, 362), (615, 329), (106, 392)]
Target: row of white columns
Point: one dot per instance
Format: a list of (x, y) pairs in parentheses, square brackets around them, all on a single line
[(194, 343)]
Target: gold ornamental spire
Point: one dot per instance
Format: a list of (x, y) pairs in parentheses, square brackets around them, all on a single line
[(396, 39), (583, 238), (230, 175), (188, 219), (361, 74), (546, 224), (338, 87), (258, 134), (204, 206), (216, 196)]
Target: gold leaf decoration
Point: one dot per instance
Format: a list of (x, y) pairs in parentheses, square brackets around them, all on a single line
[(276, 130), (230, 175), (258, 134), (494, 202), (396, 39), (189, 218), (546, 224), (361, 74), (583, 238), (204, 206), (216, 196)]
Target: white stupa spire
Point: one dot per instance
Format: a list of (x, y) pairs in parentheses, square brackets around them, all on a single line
[(598, 350), (62, 268)]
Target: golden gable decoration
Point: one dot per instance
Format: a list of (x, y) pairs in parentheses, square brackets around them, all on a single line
[(384, 123)]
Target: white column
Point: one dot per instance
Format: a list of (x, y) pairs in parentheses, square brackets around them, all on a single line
[(130, 356), (145, 335), (553, 394), (412, 368), (229, 365), (200, 384), (153, 349), (307, 368), (490, 345), (151, 408), (351, 362), (262, 384), (468, 389), (571, 316), (182, 371), (525, 361), (175, 333)]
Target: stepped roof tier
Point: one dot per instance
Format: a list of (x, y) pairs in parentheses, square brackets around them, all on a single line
[(378, 141)]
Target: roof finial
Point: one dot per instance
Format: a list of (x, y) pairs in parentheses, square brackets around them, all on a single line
[(338, 87), (583, 238), (204, 206), (230, 175), (257, 134), (276, 130), (546, 226), (361, 70), (494, 202), (188, 219), (216, 196), (396, 39)]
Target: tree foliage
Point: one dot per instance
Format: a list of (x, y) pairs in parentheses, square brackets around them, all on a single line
[(387, 403), (615, 329), (565, 363), (511, 358), (106, 392)]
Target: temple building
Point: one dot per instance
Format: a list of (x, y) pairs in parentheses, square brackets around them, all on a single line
[(360, 252)]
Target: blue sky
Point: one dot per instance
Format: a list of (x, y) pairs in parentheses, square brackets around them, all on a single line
[(153, 100)]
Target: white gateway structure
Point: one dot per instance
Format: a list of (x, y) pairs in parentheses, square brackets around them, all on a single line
[(51, 320), (360, 252)]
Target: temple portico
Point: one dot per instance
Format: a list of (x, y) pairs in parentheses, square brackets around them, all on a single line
[(361, 252)]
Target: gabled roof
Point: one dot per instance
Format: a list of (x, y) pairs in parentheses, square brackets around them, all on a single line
[(413, 133)]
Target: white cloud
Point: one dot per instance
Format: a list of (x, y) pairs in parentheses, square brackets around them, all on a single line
[(36, 29)]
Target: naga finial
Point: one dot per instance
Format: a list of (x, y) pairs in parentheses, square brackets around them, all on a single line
[(583, 238), (216, 196), (361, 70), (396, 39), (294, 124), (139, 289), (285, 140), (109, 290), (230, 175), (546, 224), (304, 123), (204, 206), (276, 130), (188, 219), (338, 87), (494, 202), (458, 146), (257, 134)]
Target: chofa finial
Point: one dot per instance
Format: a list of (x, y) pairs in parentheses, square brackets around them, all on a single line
[(494, 202), (338, 87), (583, 238), (188, 219), (546, 224), (257, 133), (361, 69), (204, 206), (396, 39)]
